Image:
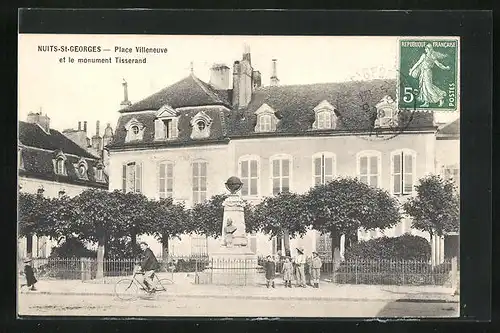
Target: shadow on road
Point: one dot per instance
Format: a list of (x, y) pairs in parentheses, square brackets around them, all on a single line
[(404, 308)]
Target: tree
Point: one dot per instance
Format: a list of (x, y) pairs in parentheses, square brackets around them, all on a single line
[(283, 215), (33, 218), (344, 205), (436, 208), (60, 216), (135, 216), (98, 214), (167, 220)]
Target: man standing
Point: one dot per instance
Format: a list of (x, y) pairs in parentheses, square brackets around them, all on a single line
[(148, 265), (300, 262)]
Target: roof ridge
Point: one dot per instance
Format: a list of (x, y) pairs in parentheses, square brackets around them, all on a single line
[(202, 85), (322, 83)]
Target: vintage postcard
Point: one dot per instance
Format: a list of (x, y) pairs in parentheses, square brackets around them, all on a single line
[(238, 176)]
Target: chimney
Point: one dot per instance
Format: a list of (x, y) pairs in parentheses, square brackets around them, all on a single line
[(219, 76), (246, 53), (85, 126), (79, 126), (236, 82), (108, 135), (77, 136), (274, 74), (41, 120), (96, 139), (125, 101), (256, 79), (245, 85)]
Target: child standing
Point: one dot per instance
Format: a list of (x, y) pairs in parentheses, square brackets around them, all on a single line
[(270, 271), (316, 268), (287, 272), (30, 275)]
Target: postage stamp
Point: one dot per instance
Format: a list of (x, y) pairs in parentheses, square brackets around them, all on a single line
[(432, 66)]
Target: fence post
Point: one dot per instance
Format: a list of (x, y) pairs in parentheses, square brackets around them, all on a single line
[(82, 269), (403, 262), (454, 275), (356, 270)]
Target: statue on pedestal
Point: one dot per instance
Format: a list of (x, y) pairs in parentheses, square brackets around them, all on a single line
[(229, 230)]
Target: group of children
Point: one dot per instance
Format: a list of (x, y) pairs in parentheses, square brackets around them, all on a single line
[(295, 268)]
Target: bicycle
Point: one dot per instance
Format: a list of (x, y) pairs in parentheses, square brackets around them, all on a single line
[(128, 289)]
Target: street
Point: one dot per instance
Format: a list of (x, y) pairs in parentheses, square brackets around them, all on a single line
[(68, 305)]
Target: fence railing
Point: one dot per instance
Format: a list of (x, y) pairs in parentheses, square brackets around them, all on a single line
[(214, 271)]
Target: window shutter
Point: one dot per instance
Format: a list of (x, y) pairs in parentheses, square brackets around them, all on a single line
[(124, 178), (396, 173), (175, 130), (408, 173), (138, 176), (159, 129)]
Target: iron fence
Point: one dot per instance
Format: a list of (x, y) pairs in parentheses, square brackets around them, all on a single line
[(245, 272)]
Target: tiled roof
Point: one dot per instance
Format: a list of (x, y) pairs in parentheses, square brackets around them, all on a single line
[(294, 105), (451, 129), (218, 128), (39, 149), (32, 135), (189, 91)]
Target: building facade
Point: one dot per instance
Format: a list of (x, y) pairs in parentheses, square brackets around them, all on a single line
[(51, 164), (187, 139)]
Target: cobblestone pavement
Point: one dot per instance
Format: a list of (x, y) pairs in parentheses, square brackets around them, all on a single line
[(94, 305)]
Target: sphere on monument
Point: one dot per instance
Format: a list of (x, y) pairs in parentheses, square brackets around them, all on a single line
[(234, 184)]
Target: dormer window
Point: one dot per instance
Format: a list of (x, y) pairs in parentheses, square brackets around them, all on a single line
[(266, 119), (81, 169), (166, 123), (135, 130), (99, 172), (201, 124), (60, 164), (386, 113), (325, 117)]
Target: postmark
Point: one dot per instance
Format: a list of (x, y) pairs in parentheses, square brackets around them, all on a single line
[(432, 66)]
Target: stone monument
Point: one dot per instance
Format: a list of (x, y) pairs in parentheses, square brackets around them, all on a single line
[(233, 263)]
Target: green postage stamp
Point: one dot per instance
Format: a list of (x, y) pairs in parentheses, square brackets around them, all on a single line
[(429, 73)]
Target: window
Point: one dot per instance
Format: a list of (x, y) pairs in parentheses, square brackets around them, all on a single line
[(166, 180), (61, 193), (99, 173), (369, 165), (135, 130), (166, 129), (199, 182), (403, 171), (60, 170), (323, 168), (40, 191), (249, 175), (132, 177), (265, 123), (324, 116), (281, 167), (453, 173), (201, 124), (266, 119)]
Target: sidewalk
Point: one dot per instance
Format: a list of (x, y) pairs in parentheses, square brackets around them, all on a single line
[(327, 292)]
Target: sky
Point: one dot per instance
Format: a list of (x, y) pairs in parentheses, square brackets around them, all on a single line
[(73, 92)]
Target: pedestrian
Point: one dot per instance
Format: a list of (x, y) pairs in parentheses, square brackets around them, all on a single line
[(148, 266), (270, 267), (30, 275), (316, 269), (308, 271), (300, 262), (287, 272)]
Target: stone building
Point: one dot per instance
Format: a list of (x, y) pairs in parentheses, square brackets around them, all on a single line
[(51, 164), (185, 140)]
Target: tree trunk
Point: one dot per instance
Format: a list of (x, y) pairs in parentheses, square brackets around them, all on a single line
[(164, 246), (350, 240), (335, 236), (286, 240), (133, 242), (29, 245), (100, 257)]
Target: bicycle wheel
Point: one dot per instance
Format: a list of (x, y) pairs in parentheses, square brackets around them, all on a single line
[(163, 284), (126, 289)]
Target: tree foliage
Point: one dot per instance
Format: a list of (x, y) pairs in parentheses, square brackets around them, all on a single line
[(206, 217), (33, 214), (436, 208), (345, 204)]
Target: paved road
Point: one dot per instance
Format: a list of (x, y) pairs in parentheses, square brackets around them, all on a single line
[(66, 305)]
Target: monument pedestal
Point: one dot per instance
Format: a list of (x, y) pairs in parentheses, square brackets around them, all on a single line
[(233, 266)]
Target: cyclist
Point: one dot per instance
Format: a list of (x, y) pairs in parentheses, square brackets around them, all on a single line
[(149, 265)]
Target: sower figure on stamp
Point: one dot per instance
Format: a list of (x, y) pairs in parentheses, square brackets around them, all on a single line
[(228, 233)]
